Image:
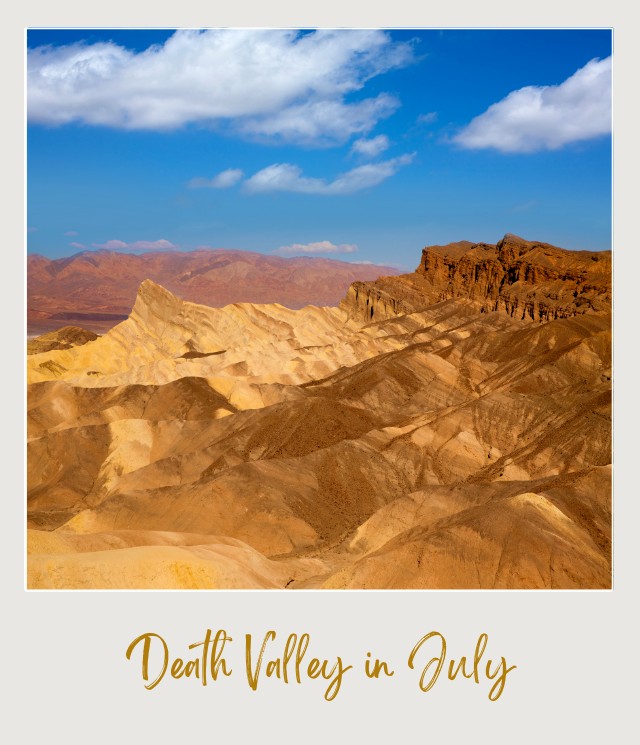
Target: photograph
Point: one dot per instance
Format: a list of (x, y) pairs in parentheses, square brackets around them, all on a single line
[(318, 309)]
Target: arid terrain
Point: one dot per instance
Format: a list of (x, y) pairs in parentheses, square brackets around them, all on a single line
[(97, 289), (447, 428)]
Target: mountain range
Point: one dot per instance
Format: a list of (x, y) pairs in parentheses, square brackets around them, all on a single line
[(96, 289)]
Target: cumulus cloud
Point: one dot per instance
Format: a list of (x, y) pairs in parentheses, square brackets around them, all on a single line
[(223, 180), (321, 247), (77, 245), (546, 117), (371, 148), (288, 177), (322, 122), (273, 83), (117, 245)]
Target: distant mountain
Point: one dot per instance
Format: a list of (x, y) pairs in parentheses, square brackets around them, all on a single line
[(97, 289)]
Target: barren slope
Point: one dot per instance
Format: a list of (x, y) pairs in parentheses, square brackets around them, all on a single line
[(256, 446)]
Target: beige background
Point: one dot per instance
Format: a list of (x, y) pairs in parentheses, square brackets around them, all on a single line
[(67, 678)]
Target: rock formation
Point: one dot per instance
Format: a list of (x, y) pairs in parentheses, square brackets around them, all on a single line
[(449, 444), (525, 279)]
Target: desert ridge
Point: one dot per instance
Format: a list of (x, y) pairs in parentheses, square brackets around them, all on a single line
[(456, 437)]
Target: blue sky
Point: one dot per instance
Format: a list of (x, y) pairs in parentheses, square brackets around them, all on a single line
[(357, 145)]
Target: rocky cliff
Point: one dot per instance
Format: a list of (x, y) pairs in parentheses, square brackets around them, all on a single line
[(525, 279)]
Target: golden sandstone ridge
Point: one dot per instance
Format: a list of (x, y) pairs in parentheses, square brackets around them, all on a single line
[(458, 437)]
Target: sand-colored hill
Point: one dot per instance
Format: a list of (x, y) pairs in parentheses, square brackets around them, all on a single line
[(258, 446), (64, 338), (96, 289)]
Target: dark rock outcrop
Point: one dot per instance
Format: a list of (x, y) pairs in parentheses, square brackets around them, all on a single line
[(525, 279)]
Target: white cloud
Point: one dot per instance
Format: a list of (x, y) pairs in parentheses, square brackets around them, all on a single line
[(321, 247), (546, 117), (32, 230), (71, 233), (428, 118), (223, 180), (113, 245), (77, 245), (322, 122), (117, 245), (287, 177), (272, 83), (371, 148)]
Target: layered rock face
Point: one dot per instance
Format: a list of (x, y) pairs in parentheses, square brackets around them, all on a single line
[(525, 279), (254, 446)]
